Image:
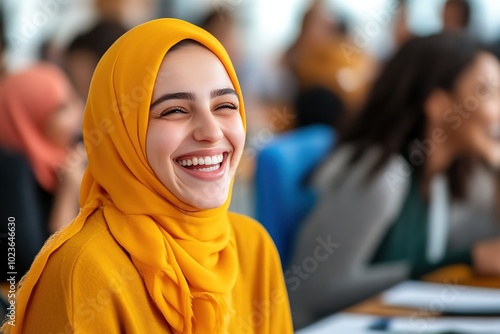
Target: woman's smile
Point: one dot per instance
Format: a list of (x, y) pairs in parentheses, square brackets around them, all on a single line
[(208, 165)]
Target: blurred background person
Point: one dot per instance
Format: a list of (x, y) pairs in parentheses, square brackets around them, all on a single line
[(223, 24), (85, 51), (321, 63), (129, 13), (42, 166), (80, 52), (456, 15), (410, 186), (401, 30), (2, 43)]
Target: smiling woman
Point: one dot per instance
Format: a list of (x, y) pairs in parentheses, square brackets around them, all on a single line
[(154, 248), (412, 183), (195, 132)]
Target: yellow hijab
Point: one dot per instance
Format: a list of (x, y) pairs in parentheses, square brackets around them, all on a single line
[(182, 253)]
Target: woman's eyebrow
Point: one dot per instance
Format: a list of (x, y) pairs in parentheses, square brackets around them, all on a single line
[(191, 96), (173, 96), (224, 91)]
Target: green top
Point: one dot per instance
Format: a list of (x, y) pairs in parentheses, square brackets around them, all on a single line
[(406, 239)]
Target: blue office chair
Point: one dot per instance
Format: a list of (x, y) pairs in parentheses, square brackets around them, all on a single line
[(283, 198)]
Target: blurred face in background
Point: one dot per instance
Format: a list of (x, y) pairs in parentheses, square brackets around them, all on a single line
[(455, 15), (473, 117), (64, 126), (318, 23), (226, 30), (128, 12)]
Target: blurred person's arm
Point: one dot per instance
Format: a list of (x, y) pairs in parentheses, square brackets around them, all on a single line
[(485, 254), (65, 206), (331, 267), (486, 257)]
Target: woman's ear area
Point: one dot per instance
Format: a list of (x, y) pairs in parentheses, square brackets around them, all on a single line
[(436, 105)]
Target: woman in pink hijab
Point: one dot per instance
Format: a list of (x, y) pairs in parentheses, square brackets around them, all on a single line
[(40, 164)]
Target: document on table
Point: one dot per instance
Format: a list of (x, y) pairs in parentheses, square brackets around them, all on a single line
[(342, 323), (444, 298), (351, 323)]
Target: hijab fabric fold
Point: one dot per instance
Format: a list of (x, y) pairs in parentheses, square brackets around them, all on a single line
[(186, 257)]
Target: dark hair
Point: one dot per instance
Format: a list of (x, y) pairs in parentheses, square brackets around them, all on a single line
[(318, 105), (216, 16), (464, 6), (393, 116), (2, 32), (184, 43), (98, 39)]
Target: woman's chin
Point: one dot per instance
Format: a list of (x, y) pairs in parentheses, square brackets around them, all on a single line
[(207, 203), (209, 196)]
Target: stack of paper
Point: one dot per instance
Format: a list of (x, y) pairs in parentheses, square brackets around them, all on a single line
[(424, 298), (350, 323), (444, 298)]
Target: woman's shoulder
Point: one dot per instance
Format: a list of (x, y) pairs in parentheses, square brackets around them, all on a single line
[(255, 247), (338, 165), (338, 169), (91, 282), (250, 231), (243, 224), (89, 263), (354, 197), (94, 237), (93, 250)]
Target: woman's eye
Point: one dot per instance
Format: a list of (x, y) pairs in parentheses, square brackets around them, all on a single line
[(226, 106), (173, 111)]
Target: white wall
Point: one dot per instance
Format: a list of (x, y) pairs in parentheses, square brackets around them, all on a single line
[(270, 25), (30, 22)]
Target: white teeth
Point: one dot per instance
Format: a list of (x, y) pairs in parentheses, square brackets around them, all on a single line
[(208, 169), (213, 160)]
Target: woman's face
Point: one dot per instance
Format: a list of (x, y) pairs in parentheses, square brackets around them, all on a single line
[(477, 103), (195, 133)]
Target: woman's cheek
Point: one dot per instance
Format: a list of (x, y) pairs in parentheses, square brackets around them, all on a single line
[(236, 135)]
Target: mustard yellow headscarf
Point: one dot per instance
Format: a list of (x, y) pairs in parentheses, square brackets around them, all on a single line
[(184, 255)]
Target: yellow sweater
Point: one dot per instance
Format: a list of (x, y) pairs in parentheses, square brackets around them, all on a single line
[(91, 281)]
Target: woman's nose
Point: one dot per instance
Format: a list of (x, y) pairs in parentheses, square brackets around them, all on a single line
[(207, 127)]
